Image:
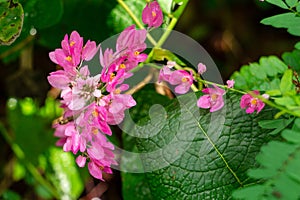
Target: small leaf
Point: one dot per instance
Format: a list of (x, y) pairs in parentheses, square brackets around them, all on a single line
[(291, 136), (278, 3), (162, 54), (298, 8), (11, 21), (285, 20), (65, 175), (180, 6), (257, 71), (292, 59), (291, 3), (251, 193), (297, 45), (277, 124), (284, 101), (286, 84)]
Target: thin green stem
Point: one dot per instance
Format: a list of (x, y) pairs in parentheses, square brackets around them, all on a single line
[(167, 33), (30, 167)]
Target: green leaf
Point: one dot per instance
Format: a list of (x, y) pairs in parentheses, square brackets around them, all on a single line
[(298, 8), (257, 71), (10, 195), (286, 84), (278, 175), (285, 20), (291, 136), (261, 76), (166, 5), (11, 21), (181, 4), (291, 3), (87, 17), (284, 101), (279, 3), (39, 14), (277, 124), (292, 59), (136, 186), (162, 54), (250, 193), (297, 45), (32, 132), (120, 19), (65, 174), (195, 154)]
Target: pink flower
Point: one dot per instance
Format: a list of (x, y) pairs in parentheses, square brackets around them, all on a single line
[(164, 74), (70, 54), (182, 79), (152, 14), (213, 99), (80, 160), (230, 83), (201, 68), (73, 52), (251, 103), (131, 40)]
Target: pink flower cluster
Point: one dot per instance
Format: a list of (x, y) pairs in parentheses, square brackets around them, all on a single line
[(92, 103)]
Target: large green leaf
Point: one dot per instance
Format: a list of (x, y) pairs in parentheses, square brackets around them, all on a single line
[(40, 14), (11, 21), (32, 132), (87, 17), (136, 184), (189, 153), (65, 176)]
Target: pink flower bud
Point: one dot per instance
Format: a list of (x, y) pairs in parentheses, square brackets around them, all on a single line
[(152, 14), (201, 68), (230, 83)]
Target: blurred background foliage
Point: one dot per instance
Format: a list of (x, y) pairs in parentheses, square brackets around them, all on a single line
[(31, 167)]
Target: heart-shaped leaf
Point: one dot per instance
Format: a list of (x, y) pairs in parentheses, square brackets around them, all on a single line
[(189, 153)]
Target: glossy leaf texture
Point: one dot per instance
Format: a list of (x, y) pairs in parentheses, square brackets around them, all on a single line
[(136, 184), (11, 21), (279, 175), (189, 153)]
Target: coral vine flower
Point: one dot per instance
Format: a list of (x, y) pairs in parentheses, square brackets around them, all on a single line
[(152, 14), (201, 68), (92, 103), (73, 52), (182, 79), (230, 83), (213, 99), (252, 103)]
